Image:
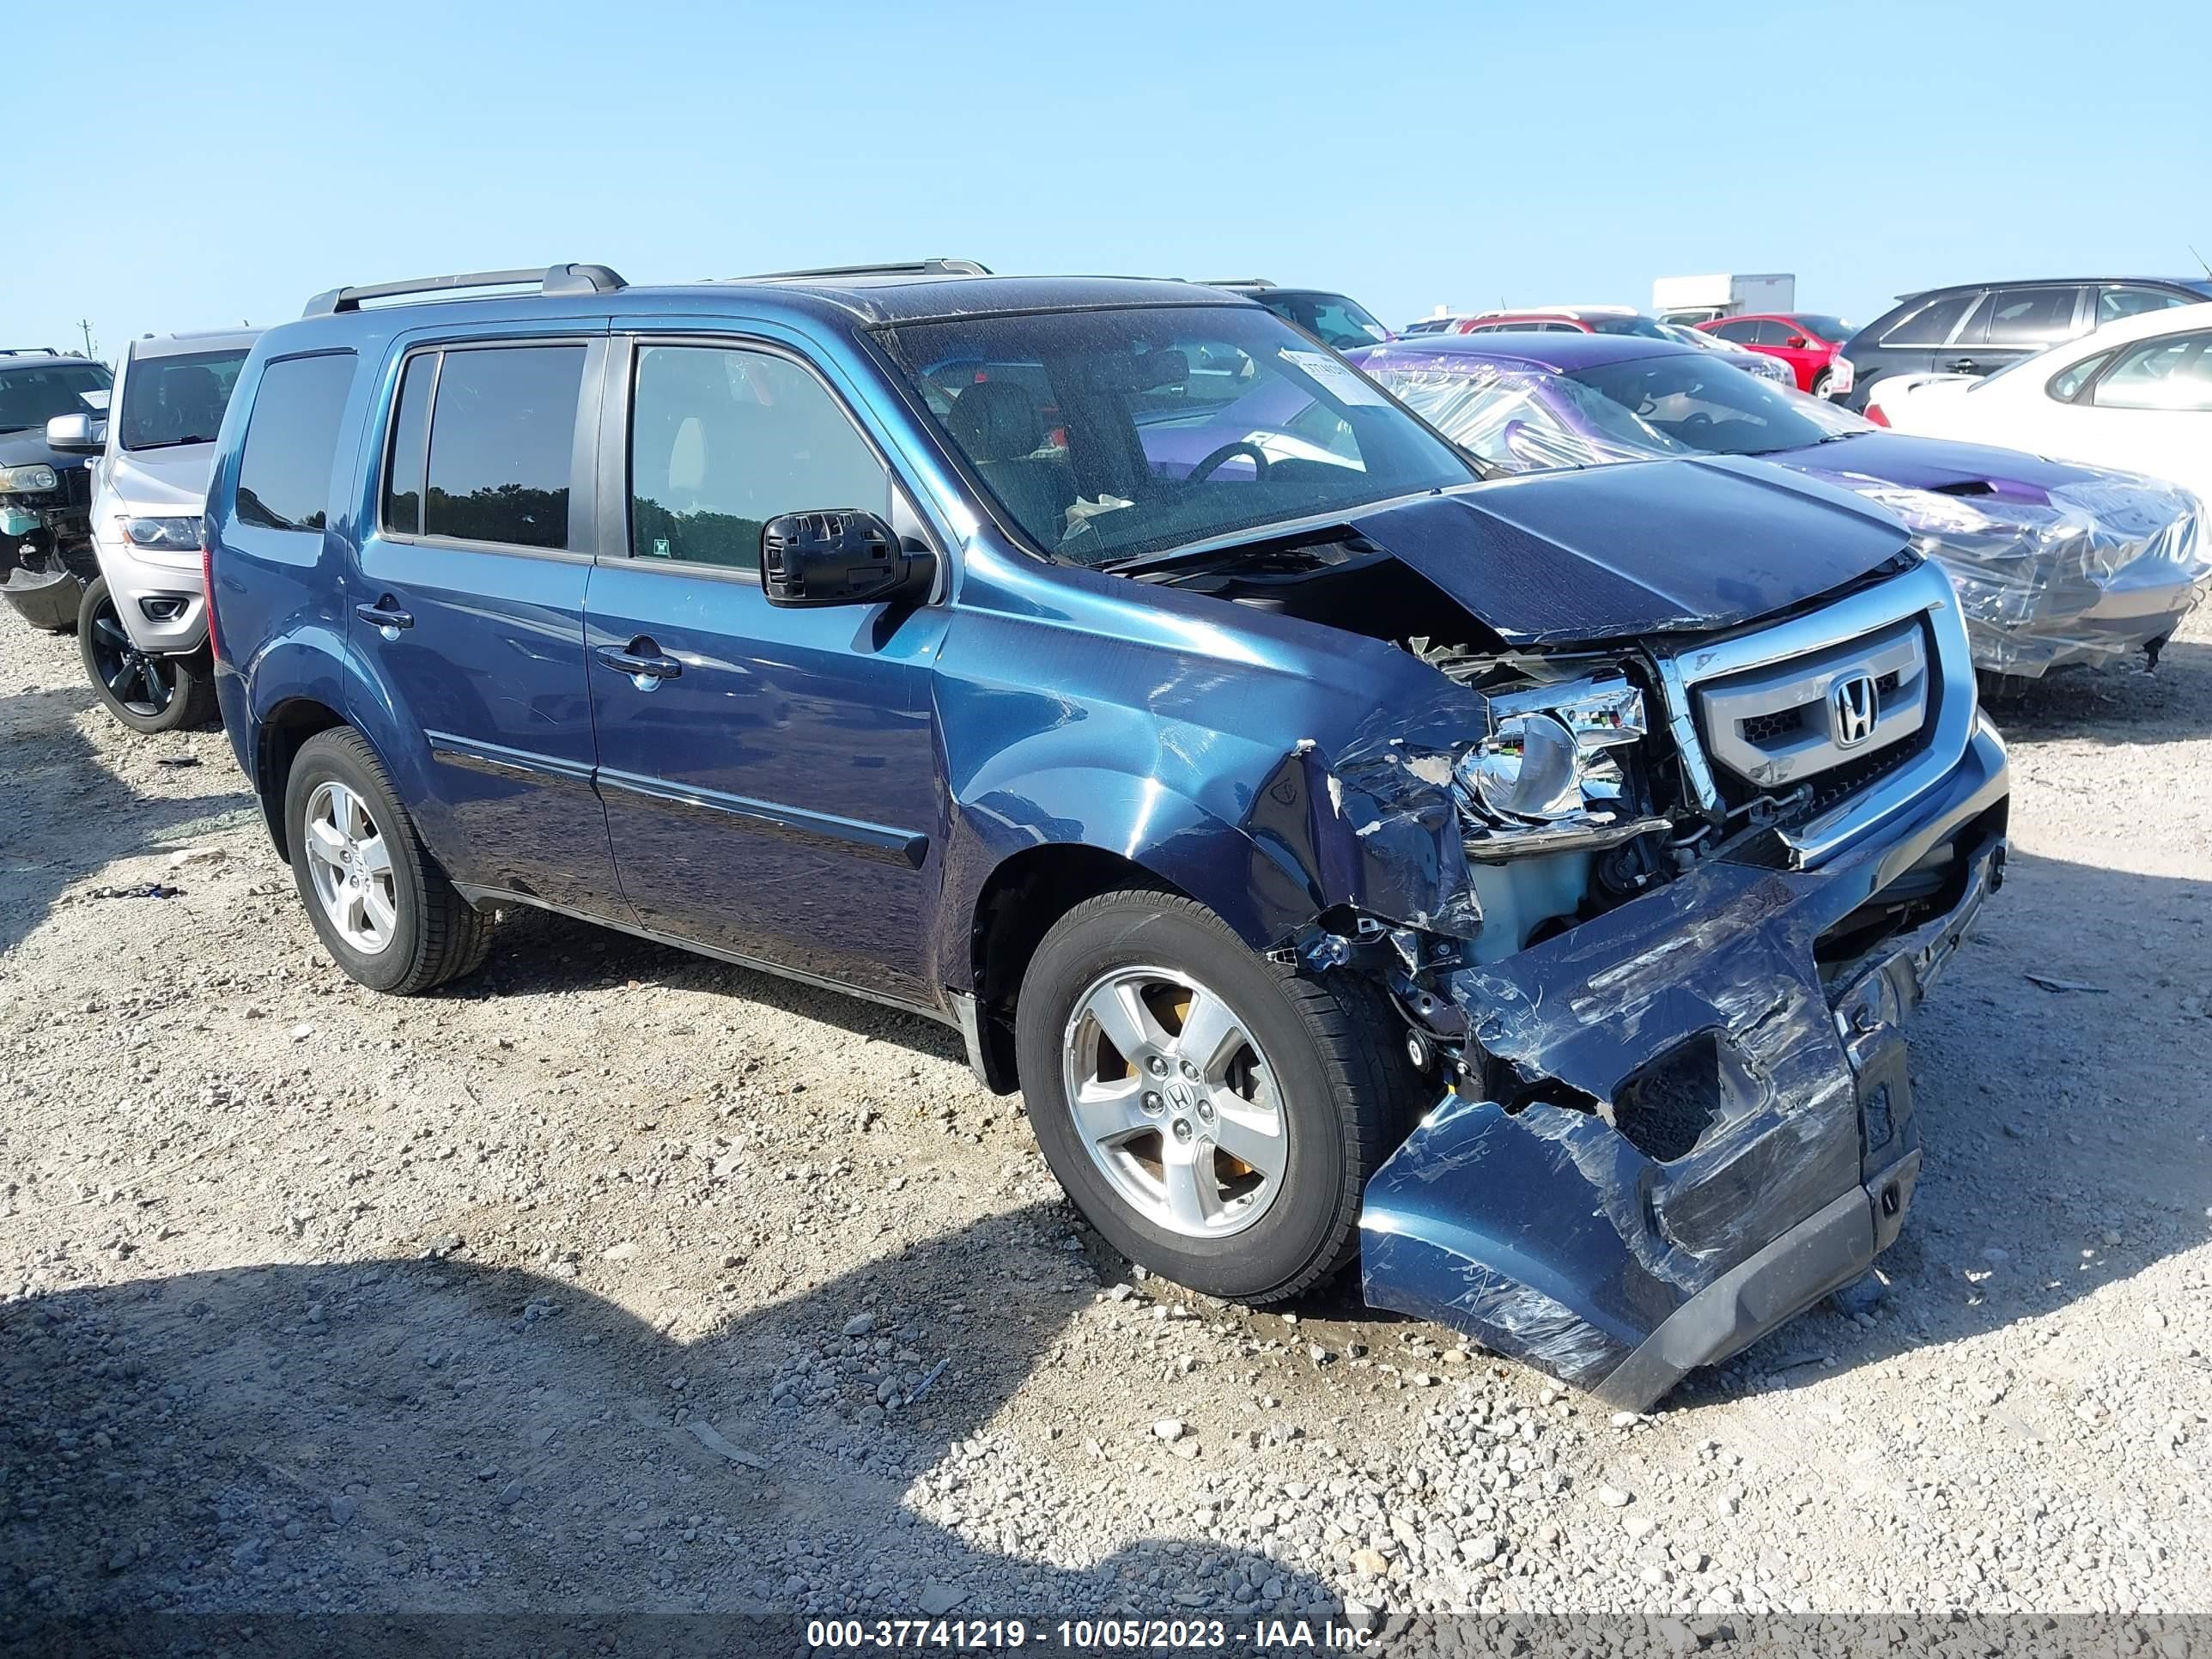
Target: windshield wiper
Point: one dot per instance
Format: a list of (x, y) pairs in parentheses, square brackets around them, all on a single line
[(169, 443)]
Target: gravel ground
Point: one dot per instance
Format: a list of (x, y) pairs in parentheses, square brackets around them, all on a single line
[(616, 1278)]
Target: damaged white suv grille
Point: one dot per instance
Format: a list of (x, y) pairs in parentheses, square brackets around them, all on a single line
[(1779, 724)]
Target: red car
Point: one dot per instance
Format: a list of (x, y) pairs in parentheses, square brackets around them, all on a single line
[(1805, 340)]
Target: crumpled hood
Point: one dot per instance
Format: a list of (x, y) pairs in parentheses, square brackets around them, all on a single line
[(1940, 464), (1612, 552), (162, 481)]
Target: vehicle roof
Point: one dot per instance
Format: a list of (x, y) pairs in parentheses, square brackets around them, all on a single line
[(197, 340), (1576, 311), (39, 357), (845, 302), (2200, 284), (1558, 354)]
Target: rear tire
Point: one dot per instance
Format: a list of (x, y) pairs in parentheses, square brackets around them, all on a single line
[(1318, 1095), (1821, 382), (384, 910), (149, 693)]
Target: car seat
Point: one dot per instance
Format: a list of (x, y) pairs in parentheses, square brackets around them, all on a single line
[(996, 423)]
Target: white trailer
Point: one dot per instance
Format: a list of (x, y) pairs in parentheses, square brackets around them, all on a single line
[(1701, 298)]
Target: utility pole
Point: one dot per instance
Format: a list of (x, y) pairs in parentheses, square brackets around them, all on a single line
[(86, 324)]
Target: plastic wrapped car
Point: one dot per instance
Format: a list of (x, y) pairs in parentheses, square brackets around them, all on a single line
[(2055, 564)]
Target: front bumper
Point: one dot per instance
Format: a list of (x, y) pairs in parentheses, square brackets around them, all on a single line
[(1713, 1125), (45, 570), (145, 586)]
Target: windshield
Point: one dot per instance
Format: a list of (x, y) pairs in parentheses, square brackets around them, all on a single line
[(1520, 418), (168, 401), (1708, 404), (1643, 328), (30, 396), (1111, 435)]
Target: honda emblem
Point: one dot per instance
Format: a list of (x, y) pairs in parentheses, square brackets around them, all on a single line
[(1852, 709)]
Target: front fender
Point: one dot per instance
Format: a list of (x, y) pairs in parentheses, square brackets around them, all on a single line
[(1181, 841)]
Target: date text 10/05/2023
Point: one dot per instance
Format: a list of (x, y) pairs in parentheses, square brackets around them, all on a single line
[(1085, 1635)]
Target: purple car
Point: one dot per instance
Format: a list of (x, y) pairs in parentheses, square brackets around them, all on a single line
[(2054, 563)]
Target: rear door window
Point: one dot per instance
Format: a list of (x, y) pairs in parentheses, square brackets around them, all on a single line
[(1742, 330), (502, 444), (291, 440), (1931, 324), (2028, 316)]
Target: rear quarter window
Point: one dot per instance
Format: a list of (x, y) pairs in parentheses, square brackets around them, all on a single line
[(291, 440)]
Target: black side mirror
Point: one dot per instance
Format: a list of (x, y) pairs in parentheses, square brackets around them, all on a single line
[(842, 556)]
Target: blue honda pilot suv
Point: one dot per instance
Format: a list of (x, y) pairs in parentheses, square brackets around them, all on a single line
[(1517, 884)]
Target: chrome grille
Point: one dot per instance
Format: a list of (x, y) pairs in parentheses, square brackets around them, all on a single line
[(1779, 724)]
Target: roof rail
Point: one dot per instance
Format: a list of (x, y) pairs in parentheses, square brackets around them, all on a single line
[(555, 282), (1234, 282), (28, 351), (898, 268)]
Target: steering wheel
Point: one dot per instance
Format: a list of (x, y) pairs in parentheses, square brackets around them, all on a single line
[(1205, 469)]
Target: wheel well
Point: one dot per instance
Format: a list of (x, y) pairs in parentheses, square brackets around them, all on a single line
[(283, 734), (1024, 896)]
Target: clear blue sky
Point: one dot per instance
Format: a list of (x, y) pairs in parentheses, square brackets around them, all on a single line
[(180, 165)]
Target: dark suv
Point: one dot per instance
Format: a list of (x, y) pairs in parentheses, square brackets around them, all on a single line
[(46, 556), (1518, 885), (1975, 328)]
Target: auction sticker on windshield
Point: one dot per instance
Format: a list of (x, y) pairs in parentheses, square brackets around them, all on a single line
[(1336, 379)]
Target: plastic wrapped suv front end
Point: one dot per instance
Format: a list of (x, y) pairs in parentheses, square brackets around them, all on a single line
[(1675, 1123)]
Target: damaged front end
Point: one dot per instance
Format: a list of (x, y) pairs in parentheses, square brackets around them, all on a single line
[(1653, 937)]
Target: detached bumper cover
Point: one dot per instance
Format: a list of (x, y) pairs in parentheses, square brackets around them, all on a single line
[(1738, 1138)]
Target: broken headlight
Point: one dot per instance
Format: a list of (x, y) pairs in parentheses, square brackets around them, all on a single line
[(1546, 762)]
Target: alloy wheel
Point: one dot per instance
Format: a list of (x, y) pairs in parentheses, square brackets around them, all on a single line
[(140, 682), (1175, 1102), (351, 868)]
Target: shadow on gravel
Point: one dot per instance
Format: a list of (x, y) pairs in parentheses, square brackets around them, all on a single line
[(2091, 1125), (2117, 705), (537, 953), (63, 816), (431, 1435)]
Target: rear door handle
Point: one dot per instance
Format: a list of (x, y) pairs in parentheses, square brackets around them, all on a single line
[(641, 660), (385, 615), (1965, 366)]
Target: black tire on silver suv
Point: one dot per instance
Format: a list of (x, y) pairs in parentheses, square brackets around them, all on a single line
[(386, 911), (1214, 1114), (149, 693)]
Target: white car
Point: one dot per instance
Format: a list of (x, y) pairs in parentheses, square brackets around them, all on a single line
[(142, 626), (2134, 394)]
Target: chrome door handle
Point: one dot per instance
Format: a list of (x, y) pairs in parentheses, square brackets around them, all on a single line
[(648, 665), (386, 616)]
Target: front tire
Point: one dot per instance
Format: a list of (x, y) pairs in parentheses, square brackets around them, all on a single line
[(384, 910), (149, 693), (1215, 1115)]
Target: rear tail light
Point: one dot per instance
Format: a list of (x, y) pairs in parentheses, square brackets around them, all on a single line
[(1873, 413), (207, 590)]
